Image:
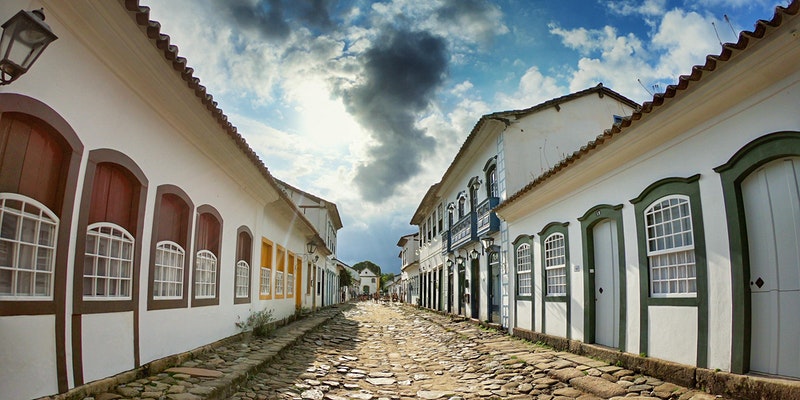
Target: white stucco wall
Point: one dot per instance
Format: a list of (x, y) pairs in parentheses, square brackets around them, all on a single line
[(106, 111), (705, 145), (104, 335), (534, 143), (28, 349)]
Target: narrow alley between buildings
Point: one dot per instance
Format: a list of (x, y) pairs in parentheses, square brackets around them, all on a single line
[(392, 351)]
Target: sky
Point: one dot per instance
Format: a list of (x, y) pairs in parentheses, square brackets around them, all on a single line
[(365, 103)]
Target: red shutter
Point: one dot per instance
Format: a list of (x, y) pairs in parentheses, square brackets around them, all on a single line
[(173, 218), (32, 160), (114, 197), (208, 233)]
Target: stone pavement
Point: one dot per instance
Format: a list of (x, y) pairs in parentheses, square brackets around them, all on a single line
[(210, 372), (375, 351)]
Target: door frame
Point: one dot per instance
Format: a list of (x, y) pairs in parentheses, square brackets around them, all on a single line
[(749, 158), (589, 220)]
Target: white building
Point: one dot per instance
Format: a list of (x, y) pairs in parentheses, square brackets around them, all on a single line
[(370, 283), (324, 215), (155, 227), (458, 273), (409, 267), (676, 233)]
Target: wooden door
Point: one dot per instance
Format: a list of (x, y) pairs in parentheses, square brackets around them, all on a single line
[(772, 215), (606, 284)]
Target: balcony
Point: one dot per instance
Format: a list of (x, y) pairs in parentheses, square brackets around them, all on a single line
[(487, 221), (463, 231), (445, 242)]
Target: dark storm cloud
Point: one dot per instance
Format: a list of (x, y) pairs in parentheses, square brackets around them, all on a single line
[(275, 19), (401, 74)]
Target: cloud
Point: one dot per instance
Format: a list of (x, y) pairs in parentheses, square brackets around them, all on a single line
[(401, 74), (478, 20), (680, 39), (633, 7), (534, 88), (275, 19)]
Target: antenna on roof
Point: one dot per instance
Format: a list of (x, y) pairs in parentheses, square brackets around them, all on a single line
[(643, 86), (728, 20), (717, 33)]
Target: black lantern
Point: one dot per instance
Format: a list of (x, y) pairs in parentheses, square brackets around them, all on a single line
[(311, 247), (449, 262), (25, 36), (487, 242), (459, 260), (474, 254)]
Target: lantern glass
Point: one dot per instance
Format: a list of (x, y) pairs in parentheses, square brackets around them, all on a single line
[(474, 254)]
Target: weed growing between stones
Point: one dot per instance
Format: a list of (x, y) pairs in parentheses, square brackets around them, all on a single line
[(259, 322)]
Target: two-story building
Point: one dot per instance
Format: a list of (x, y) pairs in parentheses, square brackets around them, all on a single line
[(463, 245), (323, 287), (676, 233), (135, 221), (409, 267)]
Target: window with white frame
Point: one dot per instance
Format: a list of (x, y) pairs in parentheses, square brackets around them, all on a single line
[(670, 247), (555, 265), (27, 247), (278, 283), (108, 263), (242, 279), (205, 275), (524, 277), (168, 279), (266, 280)]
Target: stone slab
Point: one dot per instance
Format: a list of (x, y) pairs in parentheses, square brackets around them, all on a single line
[(198, 372), (598, 386)]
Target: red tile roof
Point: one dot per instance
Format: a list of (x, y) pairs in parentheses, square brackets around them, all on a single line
[(698, 71)]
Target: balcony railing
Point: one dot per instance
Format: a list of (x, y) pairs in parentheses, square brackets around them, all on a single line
[(487, 221), (445, 242), (463, 231)]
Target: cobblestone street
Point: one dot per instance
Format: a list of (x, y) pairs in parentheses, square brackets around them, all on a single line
[(378, 351)]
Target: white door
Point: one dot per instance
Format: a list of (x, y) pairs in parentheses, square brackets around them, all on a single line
[(606, 284), (772, 214)]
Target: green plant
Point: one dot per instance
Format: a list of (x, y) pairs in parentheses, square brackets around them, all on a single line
[(260, 322)]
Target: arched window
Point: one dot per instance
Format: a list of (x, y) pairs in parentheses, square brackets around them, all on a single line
[(491, 179), (113, 218), (524, 276), (28, 231), (555, 265), (670, 246), (244, 250), (108, 262), (206, 266), (462, 205), (169, 271), (490, 169)]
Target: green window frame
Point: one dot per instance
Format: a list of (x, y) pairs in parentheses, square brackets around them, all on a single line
[(657, 191), (522, 242), (554, 228)]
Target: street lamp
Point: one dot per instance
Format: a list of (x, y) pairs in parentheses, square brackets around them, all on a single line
[(25, 36), (474, 254), (449, 262), (311, 247), (459, 260), (487, 242)]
